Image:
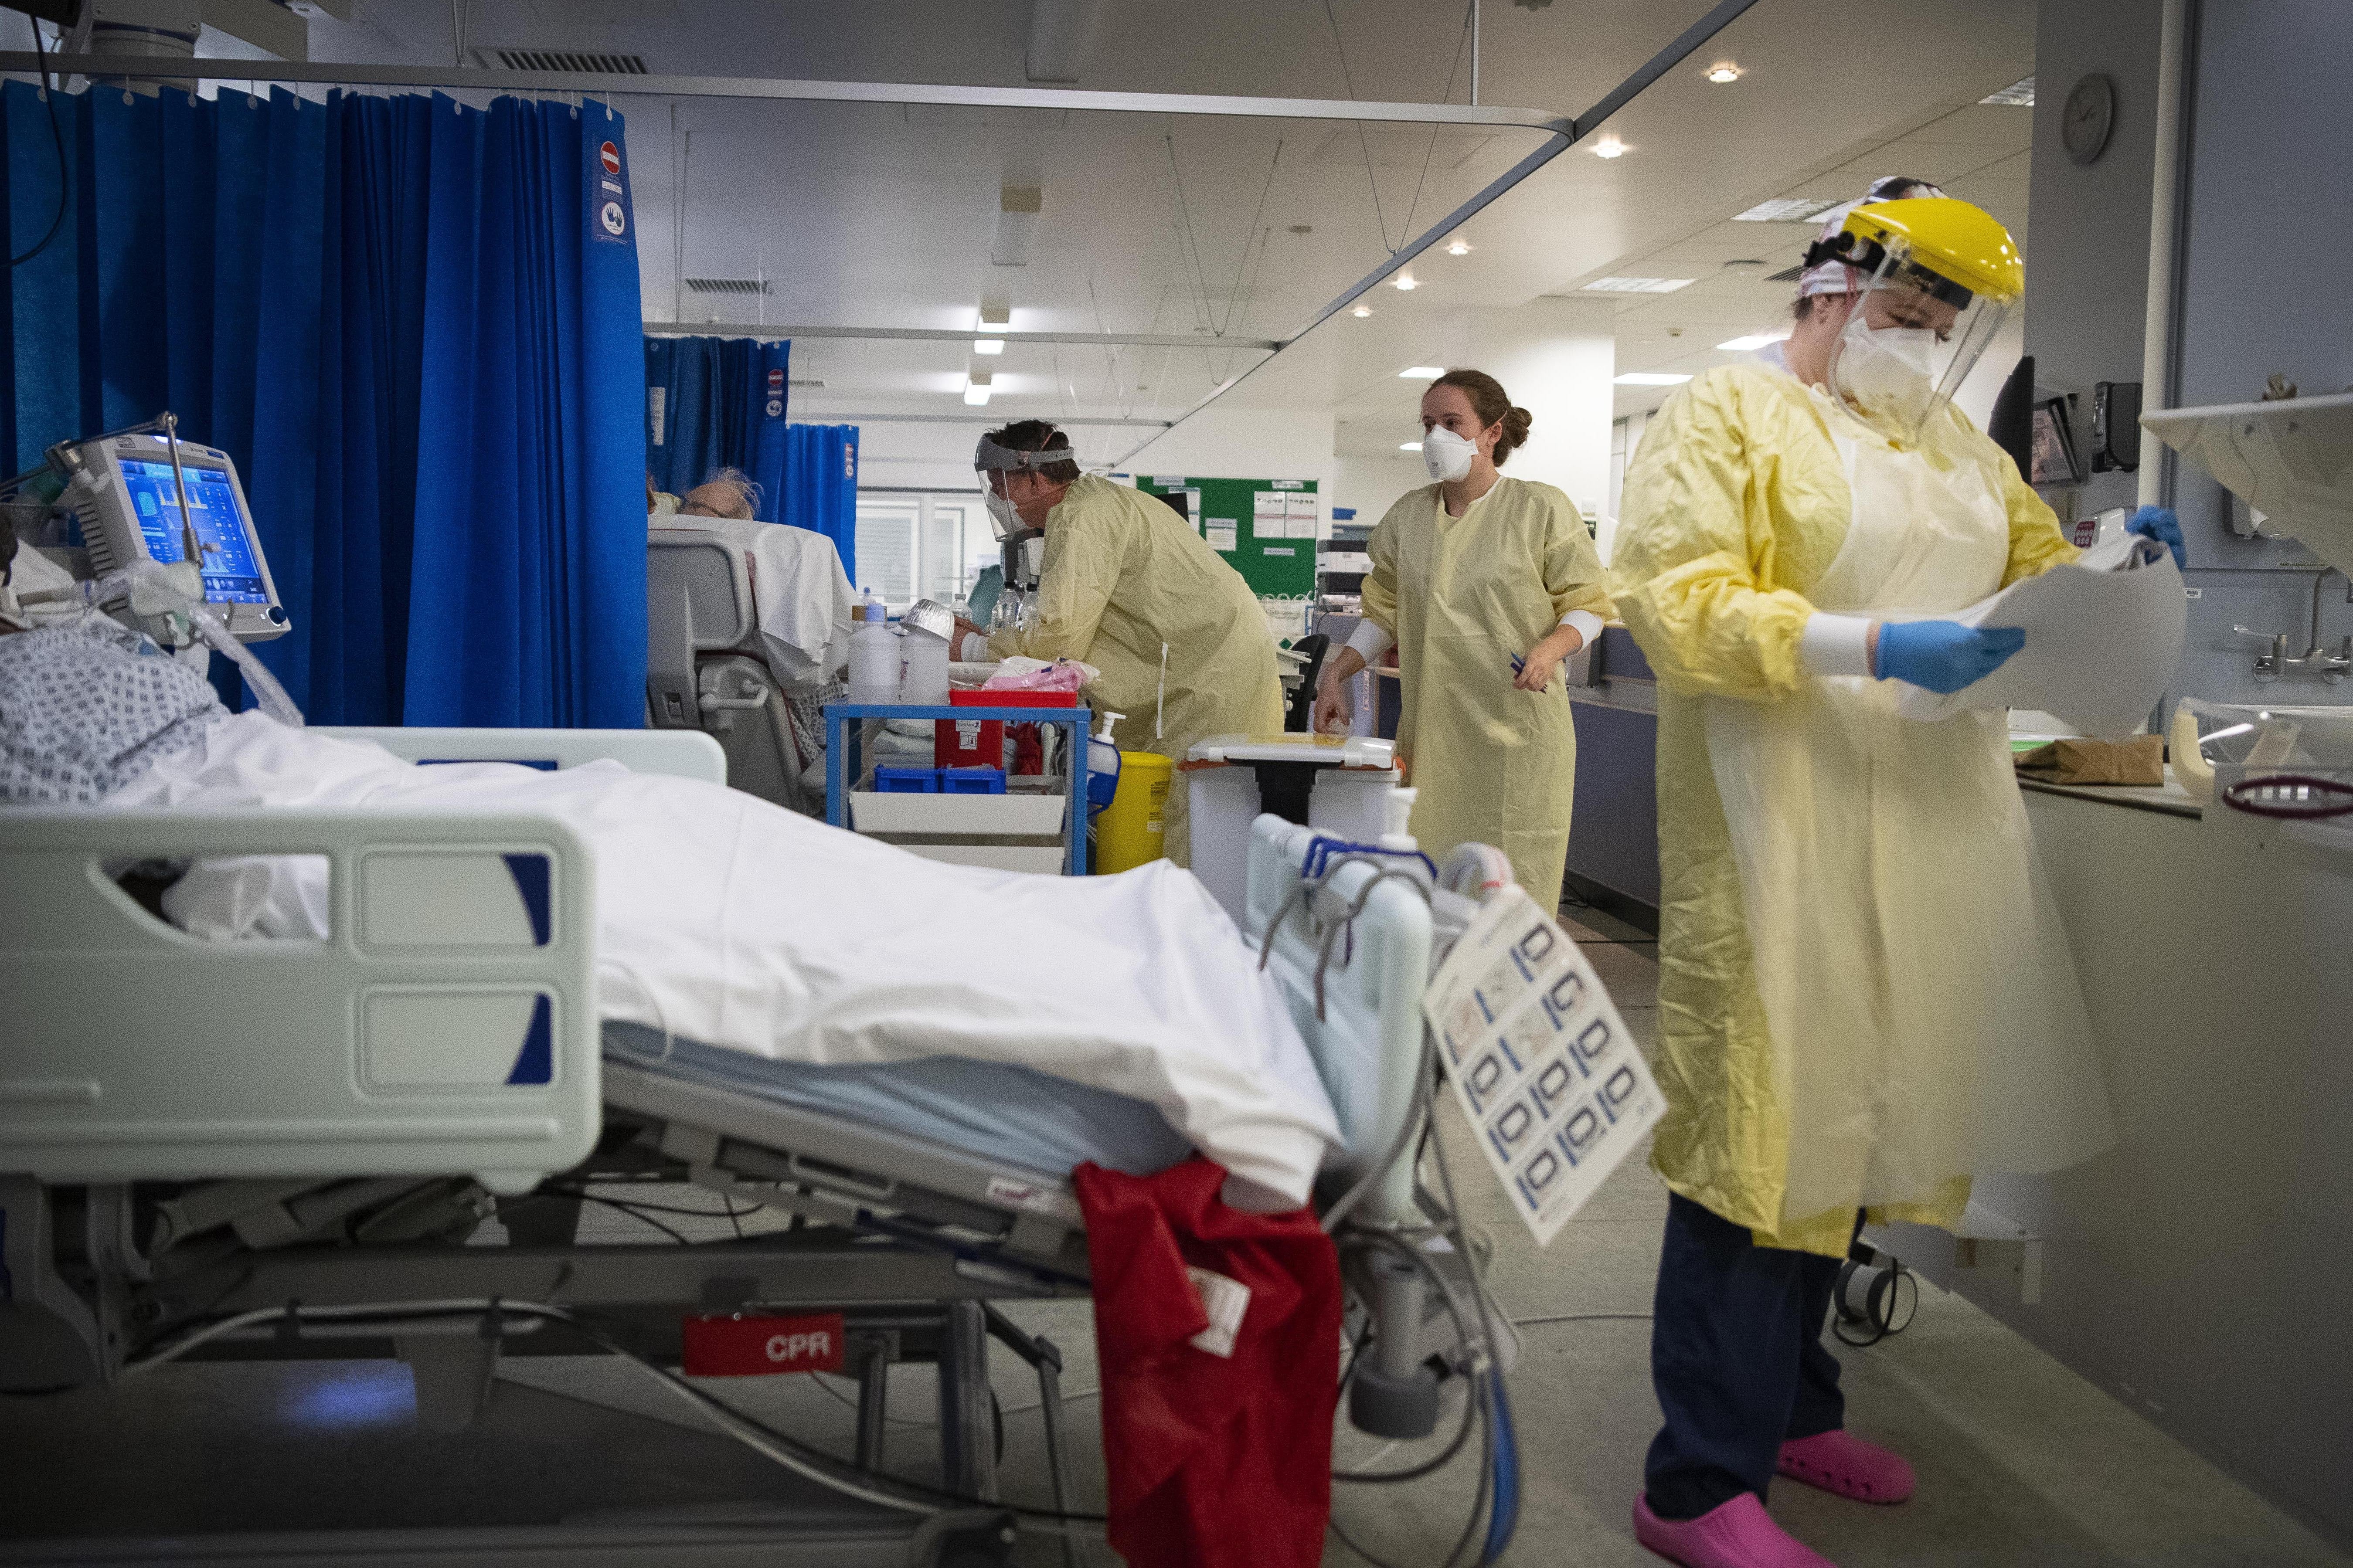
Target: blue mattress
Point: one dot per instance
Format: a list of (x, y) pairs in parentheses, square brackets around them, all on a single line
[(994, 1110)]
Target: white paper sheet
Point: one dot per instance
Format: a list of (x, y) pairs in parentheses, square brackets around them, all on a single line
[(2103, 637), (1265, 526), (1299, 517), (1268, 503), (1222, 531), (1540, 1060)]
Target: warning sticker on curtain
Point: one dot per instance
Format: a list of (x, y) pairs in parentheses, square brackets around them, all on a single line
[(1541, 1062), (606, 174)]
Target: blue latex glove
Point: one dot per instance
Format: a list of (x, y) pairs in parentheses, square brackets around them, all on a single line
[(1943, 656), (2159, 523)]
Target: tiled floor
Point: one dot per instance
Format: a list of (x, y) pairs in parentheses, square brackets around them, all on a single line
[(2021, 1461)]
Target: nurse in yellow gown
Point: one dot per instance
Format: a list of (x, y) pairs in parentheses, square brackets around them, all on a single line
[(1123, 575), (1860, 1002), (1485, 584)]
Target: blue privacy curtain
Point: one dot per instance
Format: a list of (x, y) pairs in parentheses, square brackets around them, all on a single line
[(414, 325), (717, 403), (820, 486)]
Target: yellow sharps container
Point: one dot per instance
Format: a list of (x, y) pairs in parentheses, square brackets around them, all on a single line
[(1127, 834)]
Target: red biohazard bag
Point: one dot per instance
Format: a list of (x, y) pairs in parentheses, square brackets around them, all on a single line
[(1219, 1336)]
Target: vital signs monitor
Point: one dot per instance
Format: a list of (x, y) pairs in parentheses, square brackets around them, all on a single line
[(131, 509)]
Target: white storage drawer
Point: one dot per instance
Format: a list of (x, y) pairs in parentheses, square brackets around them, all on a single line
[(1046, 859), (1006, 816)]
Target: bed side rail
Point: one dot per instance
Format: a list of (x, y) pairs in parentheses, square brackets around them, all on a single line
[(446, 1023), (685, 754), (1367, 1044)]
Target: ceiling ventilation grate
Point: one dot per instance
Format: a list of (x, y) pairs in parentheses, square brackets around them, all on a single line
[(727, 285), (577, 62), (1787, 274)]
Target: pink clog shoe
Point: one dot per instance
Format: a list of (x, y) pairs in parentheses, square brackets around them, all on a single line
[(1739, 1535), (1842, 1463)]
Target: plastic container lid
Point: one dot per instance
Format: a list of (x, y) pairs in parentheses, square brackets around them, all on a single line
[(1333, 750)]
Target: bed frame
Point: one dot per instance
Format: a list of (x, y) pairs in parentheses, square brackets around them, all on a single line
[(140, 1196)]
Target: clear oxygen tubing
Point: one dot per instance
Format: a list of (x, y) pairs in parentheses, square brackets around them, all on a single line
[(152, 590)]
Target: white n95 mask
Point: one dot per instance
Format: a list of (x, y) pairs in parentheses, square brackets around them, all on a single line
[(1887, 371), (1446, 455), (1005, 515)]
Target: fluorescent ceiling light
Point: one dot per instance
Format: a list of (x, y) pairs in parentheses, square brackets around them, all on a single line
[(1408, 445), (1361, 311), (1405, 282), (1421, 372), (1788, 209), (1752, 342), (976, 396), (988, 345), (1651, 378), (1637, 285), (2017, 95), (1610, 147)]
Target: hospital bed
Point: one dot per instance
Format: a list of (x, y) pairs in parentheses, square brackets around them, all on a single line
[(705, 668), (267, 1149)]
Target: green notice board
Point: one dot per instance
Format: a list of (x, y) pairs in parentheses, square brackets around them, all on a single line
[(1265, 528)]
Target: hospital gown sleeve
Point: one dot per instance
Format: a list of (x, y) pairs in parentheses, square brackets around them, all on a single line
[(2036, 544), (1074, 587), (1573, 572), (1696, 551)]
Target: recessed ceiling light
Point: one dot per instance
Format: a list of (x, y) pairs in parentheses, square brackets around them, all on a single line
[(1361, 311), (1405, 282), (1637, 285), (976, 395), (1722, 72), (1651, 378), (1421, 372), (1788, 209), (1458, 248), (1753, 340), (1408, 445), (988, 345), (1610, 147)]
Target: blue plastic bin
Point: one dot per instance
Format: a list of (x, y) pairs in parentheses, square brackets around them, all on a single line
[(972, 781), (906, 781)]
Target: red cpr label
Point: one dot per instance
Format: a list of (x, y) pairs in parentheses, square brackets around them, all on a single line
[(610, 156), (756, 1347)]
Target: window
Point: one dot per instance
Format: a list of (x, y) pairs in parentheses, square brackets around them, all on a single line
[(917, 545)]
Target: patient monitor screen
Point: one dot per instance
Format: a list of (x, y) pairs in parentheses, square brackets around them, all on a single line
[(232, 576)]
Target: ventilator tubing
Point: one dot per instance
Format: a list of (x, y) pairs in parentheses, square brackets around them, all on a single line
[(153, 591)]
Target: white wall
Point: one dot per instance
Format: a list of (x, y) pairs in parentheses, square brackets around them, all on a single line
[(1244, 444), (1556, 359), (1372, 485)]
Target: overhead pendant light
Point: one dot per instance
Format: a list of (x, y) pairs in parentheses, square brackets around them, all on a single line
[(1610, 147), (1723, 73), (1405, 283), (976, 389), (1459, 247), (1361, 311), (988, 345), (1408, 445)]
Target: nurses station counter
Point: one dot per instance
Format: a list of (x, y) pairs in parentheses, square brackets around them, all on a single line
[(2201, 1271)]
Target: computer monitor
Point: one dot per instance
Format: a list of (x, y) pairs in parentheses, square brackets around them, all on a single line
[(132, 509)]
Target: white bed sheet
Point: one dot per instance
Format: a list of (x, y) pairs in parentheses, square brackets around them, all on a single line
[(734, 923)]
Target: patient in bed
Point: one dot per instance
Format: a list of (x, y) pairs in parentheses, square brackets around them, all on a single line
[(730, 922)]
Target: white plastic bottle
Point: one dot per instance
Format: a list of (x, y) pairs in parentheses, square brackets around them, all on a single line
[(923, 674), (874, 656)]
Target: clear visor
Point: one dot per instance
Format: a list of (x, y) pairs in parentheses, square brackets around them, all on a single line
[(1910, 343)]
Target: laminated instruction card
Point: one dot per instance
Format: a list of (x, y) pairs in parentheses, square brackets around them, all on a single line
[(1547, 1074)]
